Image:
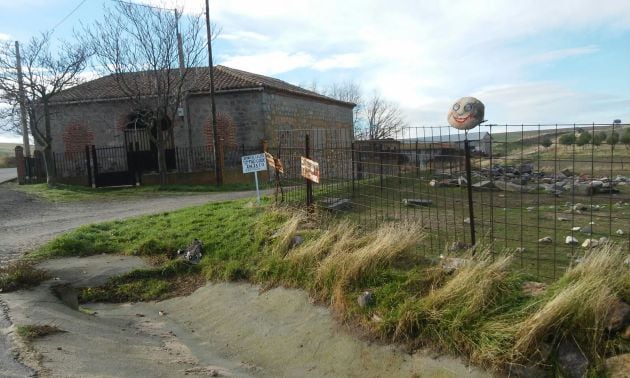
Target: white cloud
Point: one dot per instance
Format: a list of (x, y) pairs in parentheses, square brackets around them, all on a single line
[(426, 54), (564, 53), (271, 63), (243, 36), (5, 37)]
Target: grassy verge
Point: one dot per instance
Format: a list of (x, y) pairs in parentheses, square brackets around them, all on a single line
[(480, 311), (31, 332), (19, 275), (70, 193)]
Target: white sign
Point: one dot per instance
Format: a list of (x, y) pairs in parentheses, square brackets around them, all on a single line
[(254, 163)]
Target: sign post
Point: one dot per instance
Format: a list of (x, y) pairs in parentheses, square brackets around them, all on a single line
[(254, 163)]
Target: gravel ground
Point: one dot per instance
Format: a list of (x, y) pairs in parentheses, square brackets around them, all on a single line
[(27, 223)]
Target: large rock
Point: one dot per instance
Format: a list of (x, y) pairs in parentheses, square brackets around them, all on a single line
[(571, 240), (572, 362), (545, 240), (618, 317), (618, 366), (483, 185)]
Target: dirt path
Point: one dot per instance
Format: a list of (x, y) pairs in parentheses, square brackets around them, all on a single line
[(219, 330), (26, 222)]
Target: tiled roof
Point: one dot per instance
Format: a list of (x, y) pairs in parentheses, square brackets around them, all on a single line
[(197, 81)]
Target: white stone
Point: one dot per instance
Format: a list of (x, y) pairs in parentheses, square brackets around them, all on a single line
[(571, 240), (590, 243), (576, 228), (619, 232)]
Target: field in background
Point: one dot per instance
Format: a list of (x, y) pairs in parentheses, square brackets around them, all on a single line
[(7, 155)]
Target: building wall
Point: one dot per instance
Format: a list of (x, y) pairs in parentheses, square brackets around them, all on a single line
[(285, 112), (243, 118)]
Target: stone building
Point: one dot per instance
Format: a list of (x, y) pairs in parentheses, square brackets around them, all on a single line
[(250, 108)]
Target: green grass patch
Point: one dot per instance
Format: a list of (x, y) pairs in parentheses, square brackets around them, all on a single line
[(72, 193), (31, 332), (480, 311), (20, 274)]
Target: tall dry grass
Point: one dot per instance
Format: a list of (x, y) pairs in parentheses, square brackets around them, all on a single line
[(577, 304)]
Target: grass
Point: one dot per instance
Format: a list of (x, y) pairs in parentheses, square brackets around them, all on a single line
[(19, 275), (31, 332), (479, 312), (71, 193)]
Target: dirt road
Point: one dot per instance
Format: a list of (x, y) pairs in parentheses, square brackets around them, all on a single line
[(26, 223)]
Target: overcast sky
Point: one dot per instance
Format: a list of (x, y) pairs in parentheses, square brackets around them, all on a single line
[(536, 61)]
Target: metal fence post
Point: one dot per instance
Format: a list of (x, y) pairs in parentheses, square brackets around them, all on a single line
[(352, 162), (88, 166), (469, 189), (95, 163), (309, 184)]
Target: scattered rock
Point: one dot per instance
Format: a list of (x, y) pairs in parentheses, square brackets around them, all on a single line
[(520, 250), (365, 299), (567, 172), (531, 208), (533, 289), (587, 229), (579, 207), (451, 264), (545, 240), (603, 240), (619, 232), (618, 366), (376, 318), (563, 219), (590, 243), (161, 313), (571, 360), (467, 220), (570, 240), (193, 252), (576, 228), (416, 202), (483, 185), (336, 204), (297, 240), (618, 316), (458, 246)]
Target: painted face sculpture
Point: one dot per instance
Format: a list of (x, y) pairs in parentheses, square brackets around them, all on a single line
[(466, 113)]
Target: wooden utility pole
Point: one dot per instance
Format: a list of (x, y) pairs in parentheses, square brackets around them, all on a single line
[(184, 100), (218, 169), (22, 100)]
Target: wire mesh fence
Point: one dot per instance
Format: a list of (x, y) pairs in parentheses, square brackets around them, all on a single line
[(546, 193)]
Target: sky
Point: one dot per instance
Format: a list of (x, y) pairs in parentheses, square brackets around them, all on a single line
[(529, 62)]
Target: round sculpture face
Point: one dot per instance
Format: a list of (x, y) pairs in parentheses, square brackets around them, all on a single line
[(466, 113)]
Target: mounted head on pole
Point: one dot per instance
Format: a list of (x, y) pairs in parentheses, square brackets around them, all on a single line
[(466, 113)]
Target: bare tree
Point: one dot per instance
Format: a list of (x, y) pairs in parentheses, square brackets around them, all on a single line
[(138, 45), (45, 74), (381, 119), (348, 91)]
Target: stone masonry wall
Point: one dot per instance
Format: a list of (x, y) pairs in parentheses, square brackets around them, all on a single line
[(244, 118)]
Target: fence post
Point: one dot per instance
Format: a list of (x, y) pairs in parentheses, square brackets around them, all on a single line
[(380, 154), (95, 163), (469, 189), (87, 164), (21, 165), (309, 184), (352, 167)]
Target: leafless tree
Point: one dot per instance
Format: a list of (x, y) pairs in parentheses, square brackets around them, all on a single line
[(347, 91), (45, 74), (138, 45), (381, 119)]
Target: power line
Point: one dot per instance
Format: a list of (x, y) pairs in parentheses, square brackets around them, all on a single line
[(142, 5), (68, 16)]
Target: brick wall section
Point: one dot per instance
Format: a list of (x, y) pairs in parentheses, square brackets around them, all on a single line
[(226, 128), (256, 115), (75, 137)]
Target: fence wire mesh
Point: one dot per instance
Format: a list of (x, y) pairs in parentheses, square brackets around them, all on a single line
[(546, 193)]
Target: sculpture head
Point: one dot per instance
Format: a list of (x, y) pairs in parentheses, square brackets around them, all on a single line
[(466, 113)]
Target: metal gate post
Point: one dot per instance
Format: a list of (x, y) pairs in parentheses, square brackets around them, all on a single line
[(470, 198), (88, 165), (309, 184)]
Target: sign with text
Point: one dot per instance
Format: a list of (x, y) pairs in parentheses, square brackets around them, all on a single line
[(310, 169), (254, 163), (274, 162)]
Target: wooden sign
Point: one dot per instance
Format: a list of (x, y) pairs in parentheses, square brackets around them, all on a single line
[(310, 170), (274, 162)]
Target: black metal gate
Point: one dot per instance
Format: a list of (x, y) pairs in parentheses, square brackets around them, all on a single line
[(112, 167)]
